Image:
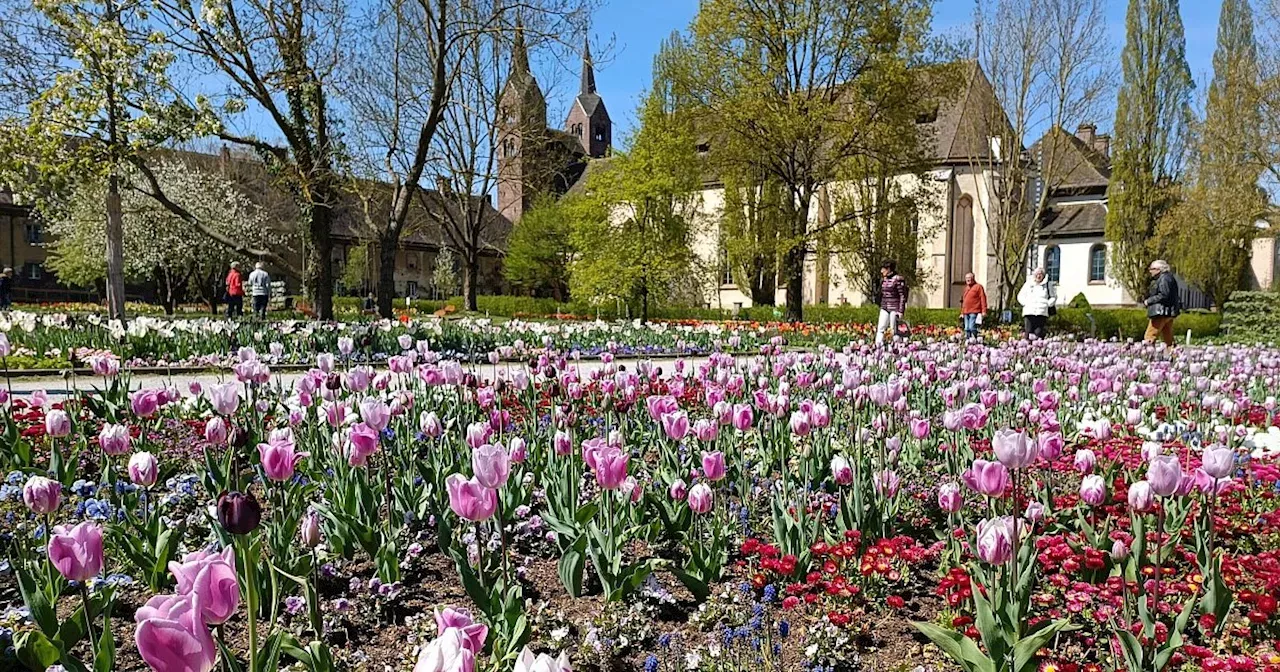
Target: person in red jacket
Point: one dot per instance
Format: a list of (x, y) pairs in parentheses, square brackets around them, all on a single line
[(973, 306), (235, 292)]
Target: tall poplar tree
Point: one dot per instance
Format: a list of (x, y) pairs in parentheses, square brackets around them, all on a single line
[(1153, 114), (1210, 234)]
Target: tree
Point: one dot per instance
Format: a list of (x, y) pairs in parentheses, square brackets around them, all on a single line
[(751, 222), (1048, 62), (87, 92), (632, 235), (805, 85), (282, 58), (1210, 232), (355, 274), (445, 274), (159, 246), (539, 250), (1153, 114)]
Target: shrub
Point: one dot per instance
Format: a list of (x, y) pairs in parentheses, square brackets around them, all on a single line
[(1079, 301), (1252, 316)]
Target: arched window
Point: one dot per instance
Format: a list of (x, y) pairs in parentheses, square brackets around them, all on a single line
[(962, 239), (1053, 263), (1098, 263)]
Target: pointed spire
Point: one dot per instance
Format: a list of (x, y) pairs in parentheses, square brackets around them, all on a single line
[(519, 52), (588, 68)]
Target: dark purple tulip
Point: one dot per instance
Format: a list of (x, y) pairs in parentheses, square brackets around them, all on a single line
[(239, 513)]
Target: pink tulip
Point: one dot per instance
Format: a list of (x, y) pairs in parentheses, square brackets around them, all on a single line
[(225, 398), (919, 428), (611, 467), (114, 439), (1093, 490), (446, 653), (713, 465), (216, 586), (492, 466), (800, 424), (562, 442), (527, 662), (841, 472), (143, 469), (375, 413), (988, 478), (474, 633), (516, 449), (660, 405), (1035, 512), (144, 403), (429, 424), (996, 537), (949, 497), (469, 499), (279, 459), (215, 431), (363, 442), (478, 434), (1141, 497), (701, 499), (172, 637), (1051, 445), (819, 415), (310, 530), (42, 495), (678, 490), (1084, 460), (676, 425), (886, 483), (706, 430), (57, 423), (1013, 449), (1119, 551), (742, 417), (1218, 461), (1165, 475), (76, 552)]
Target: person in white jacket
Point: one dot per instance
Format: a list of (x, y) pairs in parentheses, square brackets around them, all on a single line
[(1037, 297)]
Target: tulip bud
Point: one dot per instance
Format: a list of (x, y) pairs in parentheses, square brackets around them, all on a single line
[(1119, 551), (310, 529), (238, 437), (42, 495), (239, 513)]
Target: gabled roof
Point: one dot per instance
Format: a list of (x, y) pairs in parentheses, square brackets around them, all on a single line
[(1079, 167), (962, 130), (1074, 219)]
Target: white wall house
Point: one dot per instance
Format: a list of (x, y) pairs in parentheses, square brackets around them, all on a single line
[(959, 186)]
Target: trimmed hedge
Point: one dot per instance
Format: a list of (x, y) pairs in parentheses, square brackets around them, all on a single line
[(1253, 316), (1109, 323)]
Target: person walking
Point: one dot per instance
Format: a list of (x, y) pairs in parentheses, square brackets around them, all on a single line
[(893, 300), (235, 292), (6, 288), (1164, 302), (260, 289), (973, 305), (1038, 298)]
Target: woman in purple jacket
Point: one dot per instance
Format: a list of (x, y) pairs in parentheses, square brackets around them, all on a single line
[(893, 300)]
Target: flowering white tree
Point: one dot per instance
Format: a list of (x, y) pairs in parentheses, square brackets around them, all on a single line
[(160, 246)]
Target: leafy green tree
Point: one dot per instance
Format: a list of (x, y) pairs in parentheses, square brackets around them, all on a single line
[(1153, 114), (539, 250), (632, 234), (355, 273), (87, 93), (751, 223), (1210, 233), (806, 87), (444, 275)]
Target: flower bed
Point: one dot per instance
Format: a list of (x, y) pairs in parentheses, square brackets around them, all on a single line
[(1013, 507)]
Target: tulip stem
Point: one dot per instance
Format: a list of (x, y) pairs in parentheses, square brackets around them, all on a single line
[(88, 619), (251, 596)]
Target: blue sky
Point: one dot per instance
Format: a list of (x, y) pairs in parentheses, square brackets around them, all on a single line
[(637, 27)]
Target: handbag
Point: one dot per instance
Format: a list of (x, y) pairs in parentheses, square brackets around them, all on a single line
[(1052, 295)]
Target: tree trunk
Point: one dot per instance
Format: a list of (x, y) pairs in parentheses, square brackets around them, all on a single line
[(319, 270), (115, 250), (387, 242), (793, 261), (470, 271)]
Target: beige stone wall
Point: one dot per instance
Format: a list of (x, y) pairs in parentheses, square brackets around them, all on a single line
[(1263, 264)]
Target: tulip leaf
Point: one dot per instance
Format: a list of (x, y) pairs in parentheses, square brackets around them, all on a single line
[(104, 659), (71, 630), (35, 650), (41, 612), (959, 648), (1024, 652), (571, 565)]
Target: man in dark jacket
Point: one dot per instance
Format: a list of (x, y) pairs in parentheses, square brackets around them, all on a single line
[(1163, 303)]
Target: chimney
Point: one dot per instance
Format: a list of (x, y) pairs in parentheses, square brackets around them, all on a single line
[(1102, 144), (1086, 132)]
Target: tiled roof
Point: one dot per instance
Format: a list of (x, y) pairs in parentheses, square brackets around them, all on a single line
[(1071, 164), (1074, 219)]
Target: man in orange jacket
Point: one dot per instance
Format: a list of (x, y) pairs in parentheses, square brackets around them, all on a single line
[(973, 306)]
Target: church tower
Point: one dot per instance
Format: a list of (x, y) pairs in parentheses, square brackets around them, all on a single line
[(588, 119), (522, 127)]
